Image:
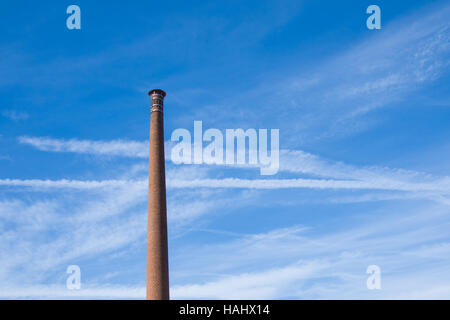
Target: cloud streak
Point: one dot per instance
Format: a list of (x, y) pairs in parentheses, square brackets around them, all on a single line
[(122, 148), (72, 184), (234, 183), (15, 115), (294, 161), (305, 263)]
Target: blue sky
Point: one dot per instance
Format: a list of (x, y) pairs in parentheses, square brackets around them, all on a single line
[(363, 118)]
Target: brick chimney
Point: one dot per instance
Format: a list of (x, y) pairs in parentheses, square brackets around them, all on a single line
[(157, 248)]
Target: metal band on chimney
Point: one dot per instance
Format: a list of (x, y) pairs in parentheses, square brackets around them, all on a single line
[(155, 110), (157, 100)]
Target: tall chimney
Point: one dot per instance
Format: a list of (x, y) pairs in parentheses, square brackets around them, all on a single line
[(157, 249)]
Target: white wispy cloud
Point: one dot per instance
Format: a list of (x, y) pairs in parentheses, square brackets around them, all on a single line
[(15, 115), (334, 262), (236, 183), (340, 175), (44, 235), (307, 183), (123, 148), (303, 264), (333, 97), (65, 183), (256, 285), (61, 292)]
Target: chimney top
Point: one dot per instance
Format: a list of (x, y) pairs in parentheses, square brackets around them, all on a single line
[(157, 91)]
